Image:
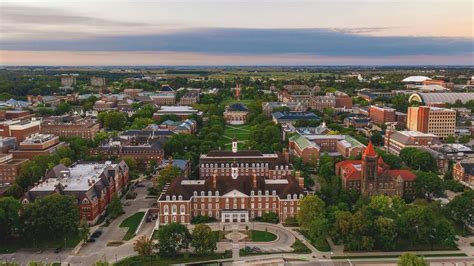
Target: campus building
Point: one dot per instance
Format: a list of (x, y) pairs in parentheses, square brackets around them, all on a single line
[(272, 165), (92, 184), (70, 126), (236, 114), (395, 141), (372, 176), (233, 192), (433, 120), (311, 147), (20, 129), (145, 154), (182, 112), (37, 144), (10, 168), (463, 171)]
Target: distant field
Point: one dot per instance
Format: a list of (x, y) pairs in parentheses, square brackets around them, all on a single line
[(241, 132)]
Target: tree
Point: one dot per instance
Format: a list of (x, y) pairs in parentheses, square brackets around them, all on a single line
[(172, 238), (51, 217), (115, 207), (386, 233), (167, 174), (143, 246), (428, 185), (14, 191), (464, 139), (203, 240), (377, 138), (418, 159), (113, 120), (450, 139), (66, 161), (84, 231), (461, 209), (410, 259), (269, 217), (9, 219), (311, 208), (63, 108)]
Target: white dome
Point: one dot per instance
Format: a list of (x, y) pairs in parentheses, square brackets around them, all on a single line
[(415, 79)]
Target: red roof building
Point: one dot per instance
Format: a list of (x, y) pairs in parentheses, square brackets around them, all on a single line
[(372, 176)]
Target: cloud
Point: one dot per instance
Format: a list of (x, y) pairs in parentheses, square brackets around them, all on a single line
[(48, 16), (321, 42)]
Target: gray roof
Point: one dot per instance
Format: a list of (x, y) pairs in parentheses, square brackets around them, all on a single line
[(448, 97)]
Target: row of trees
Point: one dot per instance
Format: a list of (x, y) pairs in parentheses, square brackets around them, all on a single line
[(174, 238), (378, 223), (38, 221)]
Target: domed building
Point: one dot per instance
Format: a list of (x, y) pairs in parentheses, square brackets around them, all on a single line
[(236, 114)]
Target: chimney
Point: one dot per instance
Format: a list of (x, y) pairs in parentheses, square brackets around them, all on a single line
[(254, 179), (214, 181), (300, 179)]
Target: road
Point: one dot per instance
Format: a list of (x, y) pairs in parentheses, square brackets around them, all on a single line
[(98, 251)]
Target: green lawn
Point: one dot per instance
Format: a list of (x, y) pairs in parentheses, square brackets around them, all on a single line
[(262, 236), (321, 245), (156, 260), (300, 248), (132, 223), (13, 245), (240, 132)]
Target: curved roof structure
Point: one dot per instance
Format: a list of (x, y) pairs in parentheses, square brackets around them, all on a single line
[(415, 79), (237, 107), (440, 97)]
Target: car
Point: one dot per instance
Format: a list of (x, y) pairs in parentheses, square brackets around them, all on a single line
[(58, 249), (96, 234), (91, 240)]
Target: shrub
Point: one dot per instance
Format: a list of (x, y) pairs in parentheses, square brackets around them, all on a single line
[(200, 219), (299, 247), (269, 217)]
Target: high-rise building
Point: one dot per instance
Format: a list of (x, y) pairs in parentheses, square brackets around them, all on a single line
[(433, 120), (98, 81), (68, 81)]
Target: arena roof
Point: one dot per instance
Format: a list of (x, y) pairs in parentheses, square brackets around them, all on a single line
[(415, 79), (447, 97)]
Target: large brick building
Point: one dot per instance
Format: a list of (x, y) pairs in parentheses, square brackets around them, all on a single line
[(372, 176), (145, 154), (273, 165), (37, 144), (310, 147), (70, 126), (92, 184), (381, 115), (231, 194), (395, 141), (19, 129), (464, 171), (10, 168), (433, 120)]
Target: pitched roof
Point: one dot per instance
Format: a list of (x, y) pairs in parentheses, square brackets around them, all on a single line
[(226, 184), (369, 151)]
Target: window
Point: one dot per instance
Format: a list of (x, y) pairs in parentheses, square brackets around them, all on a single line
[(195, 193), (182, 209), (182, 219), (252, 193), (209, 193), (173, 209), (173, 197), (180, 197), (274, 192), (167, 197), (202, 193), (165, 209), (217, 193)]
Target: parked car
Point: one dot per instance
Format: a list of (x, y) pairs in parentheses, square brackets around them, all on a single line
[(58, 249), (91, 240)]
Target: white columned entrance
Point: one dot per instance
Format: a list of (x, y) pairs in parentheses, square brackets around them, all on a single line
[(235, 216)]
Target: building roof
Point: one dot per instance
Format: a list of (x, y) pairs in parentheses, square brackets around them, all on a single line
[(369, 151), (225, 184), (295, 116), (409, 137), (237, 107), (415, 79), (440, 97), (468, 166), (302, 142)]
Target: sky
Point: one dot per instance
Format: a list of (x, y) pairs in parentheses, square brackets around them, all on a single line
[(229, 32)]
